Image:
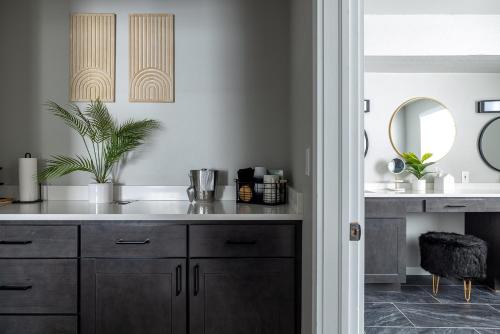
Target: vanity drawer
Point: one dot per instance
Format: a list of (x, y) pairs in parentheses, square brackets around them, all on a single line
[(242, 241), (38, 286), (385, 208), (23, 324), (461, 205), (38, 241), (134, 240)]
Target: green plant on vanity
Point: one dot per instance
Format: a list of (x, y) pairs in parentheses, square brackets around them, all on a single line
[(416, 166), (106, 142)]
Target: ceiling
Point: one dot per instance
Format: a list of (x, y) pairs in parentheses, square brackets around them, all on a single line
[(404, 7)]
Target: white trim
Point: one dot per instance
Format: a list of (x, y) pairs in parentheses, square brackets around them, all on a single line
[(352, 164), (338, 175), (416, 271)]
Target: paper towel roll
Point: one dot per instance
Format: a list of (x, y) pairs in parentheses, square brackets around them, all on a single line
[(29, 190)]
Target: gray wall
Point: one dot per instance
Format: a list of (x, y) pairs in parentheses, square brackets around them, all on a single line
[(232, 86), (458, 92), (300, 138)]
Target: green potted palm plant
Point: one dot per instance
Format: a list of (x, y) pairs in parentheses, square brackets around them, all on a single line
[(417, 167), (106, 143)]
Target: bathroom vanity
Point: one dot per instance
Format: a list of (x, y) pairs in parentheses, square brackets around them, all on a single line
[(423, 131), (148, 268), (385, 212)]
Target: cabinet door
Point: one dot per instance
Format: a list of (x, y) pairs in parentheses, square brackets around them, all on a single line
[(242, 296), (140, 296), (385, 249)]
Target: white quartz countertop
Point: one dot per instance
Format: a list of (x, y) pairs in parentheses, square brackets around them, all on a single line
[(146, 210), (491, 190)]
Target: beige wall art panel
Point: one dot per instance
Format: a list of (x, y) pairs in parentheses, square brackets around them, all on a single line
[(151, 58), (92, 57)]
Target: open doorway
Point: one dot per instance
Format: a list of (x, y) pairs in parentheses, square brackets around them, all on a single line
[(429, 67)]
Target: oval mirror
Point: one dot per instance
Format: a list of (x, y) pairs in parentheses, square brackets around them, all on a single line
[(488, 142), (396, 166), (422, 125), (367, 143)]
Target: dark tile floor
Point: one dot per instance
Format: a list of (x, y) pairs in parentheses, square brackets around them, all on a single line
[(414, 310)]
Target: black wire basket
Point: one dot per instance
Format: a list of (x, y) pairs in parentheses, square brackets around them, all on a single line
[(262, 193)]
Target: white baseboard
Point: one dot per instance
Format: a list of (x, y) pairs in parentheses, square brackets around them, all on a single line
[(416, 271)]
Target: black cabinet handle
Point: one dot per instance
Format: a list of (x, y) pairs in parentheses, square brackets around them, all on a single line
[(131, 242), (15, 242), (235, 242), (178, 280), (196, 280), (15, 287), (456, 206)]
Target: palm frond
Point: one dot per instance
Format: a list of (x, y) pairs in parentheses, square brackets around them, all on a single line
[(61, 165), (72, 119), (106, 141), (137, 129), (101, 120)]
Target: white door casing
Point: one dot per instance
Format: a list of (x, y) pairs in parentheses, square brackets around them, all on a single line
[(338, 177)]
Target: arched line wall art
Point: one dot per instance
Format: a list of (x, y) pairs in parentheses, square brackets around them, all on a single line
[(151, 57), (93, 55)]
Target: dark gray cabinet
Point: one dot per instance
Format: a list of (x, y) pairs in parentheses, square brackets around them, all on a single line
[(242, 241), (242, 296), (35, 324), (133, 296), (385, 250), (38, 286), (106, 277)]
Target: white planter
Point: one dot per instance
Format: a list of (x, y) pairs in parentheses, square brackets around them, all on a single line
[(418, 186), (101, 192)]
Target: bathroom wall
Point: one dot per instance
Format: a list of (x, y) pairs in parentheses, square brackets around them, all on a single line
[(457, 91), (232, 71)]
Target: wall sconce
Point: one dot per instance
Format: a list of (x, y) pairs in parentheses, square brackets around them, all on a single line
[(367, 105), (488, 106)]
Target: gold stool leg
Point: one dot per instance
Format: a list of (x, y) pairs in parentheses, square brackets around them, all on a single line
[(435, 284), (467, 290)]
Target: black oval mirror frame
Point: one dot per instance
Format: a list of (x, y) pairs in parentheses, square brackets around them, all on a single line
[(480, 144), (367, 143)]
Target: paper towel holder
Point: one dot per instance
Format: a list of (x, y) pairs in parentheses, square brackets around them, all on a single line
[(28, 155)]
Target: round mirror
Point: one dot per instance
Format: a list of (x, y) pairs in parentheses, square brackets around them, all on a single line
[(367, 143), (396, 166), (422, 125), (488, 143)]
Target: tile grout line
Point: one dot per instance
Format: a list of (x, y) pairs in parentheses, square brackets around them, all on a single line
[(430, 294), (498, 311), (404, 315)]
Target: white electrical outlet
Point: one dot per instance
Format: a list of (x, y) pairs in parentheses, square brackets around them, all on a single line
[(465, 177), (308, 162)]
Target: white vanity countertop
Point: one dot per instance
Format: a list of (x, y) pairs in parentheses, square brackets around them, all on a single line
[(461, 190), (147, 210)]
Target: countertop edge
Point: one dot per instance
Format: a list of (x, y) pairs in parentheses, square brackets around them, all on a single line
[(150, 217)]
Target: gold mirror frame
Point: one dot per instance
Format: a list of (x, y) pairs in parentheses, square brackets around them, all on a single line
[(404, 104)]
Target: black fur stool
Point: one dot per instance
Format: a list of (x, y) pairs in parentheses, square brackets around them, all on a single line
[(453, 255)]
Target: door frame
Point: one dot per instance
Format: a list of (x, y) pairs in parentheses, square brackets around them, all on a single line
[(339, 175)]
